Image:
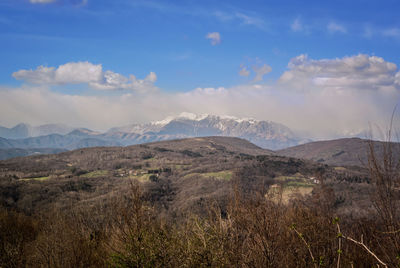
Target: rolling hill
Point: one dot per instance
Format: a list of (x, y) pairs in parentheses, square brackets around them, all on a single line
[(340, 152), (88, 195), (176, 174)]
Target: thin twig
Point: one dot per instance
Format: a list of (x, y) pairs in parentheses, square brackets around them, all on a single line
[(392, 232), (340, 245), (305, 242)]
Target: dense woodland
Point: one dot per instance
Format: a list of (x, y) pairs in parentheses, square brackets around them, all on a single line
[(218, 202)]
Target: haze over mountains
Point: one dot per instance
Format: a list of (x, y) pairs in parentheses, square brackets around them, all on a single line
[(25, 140), (22, 131), (266, 134)]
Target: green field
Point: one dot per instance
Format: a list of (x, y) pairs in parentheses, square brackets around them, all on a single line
[(95, 174), (220, 175), (296, 184), (36, 179), (140, 177), (289, 186)]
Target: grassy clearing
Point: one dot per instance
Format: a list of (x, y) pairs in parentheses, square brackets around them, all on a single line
[(294, 181), (95, 174), (289, 191), (181, 166), (340, 168), (296, 177), (140, 177), (290, 186), (286, 178), (36, 179), (220, 175), (297, 184)]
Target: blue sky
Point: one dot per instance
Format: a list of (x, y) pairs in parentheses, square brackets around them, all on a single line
[(164, 45)]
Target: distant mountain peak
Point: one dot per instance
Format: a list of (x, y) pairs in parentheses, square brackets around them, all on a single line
[(23, 130), (200, 117), (266, 134), (20, 125), (184, 116)]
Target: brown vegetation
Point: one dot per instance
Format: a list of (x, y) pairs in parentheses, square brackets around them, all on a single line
[(184, 219)]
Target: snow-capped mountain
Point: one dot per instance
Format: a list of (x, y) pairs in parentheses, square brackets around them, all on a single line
[(266, 134)]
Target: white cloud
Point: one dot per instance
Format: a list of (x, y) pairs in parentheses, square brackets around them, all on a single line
[(393, 32), (243, 71), (245, 19), (82, 3), (357, 72), (41, 1), (215, 38), (368, 32), (250, 20), (259, 69), (334, 27), (86, 73), (326, 97), (297, 25), (372, 31), (397, 79), (260, 72)]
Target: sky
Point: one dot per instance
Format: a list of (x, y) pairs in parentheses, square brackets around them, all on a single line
[(323, 68)]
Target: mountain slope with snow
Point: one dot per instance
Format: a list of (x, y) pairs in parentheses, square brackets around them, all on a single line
[(265, 134)]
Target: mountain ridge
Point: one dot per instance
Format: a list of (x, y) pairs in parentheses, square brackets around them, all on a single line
[(266, 134), (23, 130)]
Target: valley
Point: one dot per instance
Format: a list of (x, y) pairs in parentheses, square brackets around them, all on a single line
[(179, 193)]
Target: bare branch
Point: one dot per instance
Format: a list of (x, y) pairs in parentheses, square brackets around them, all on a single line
[(362, 244)]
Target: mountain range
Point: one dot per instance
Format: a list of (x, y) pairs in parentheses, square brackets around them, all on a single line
[(22, 131), (266, 134)]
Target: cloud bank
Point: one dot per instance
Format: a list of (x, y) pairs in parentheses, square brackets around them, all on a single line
[(327, 98), (86, 73), (360, 72)]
